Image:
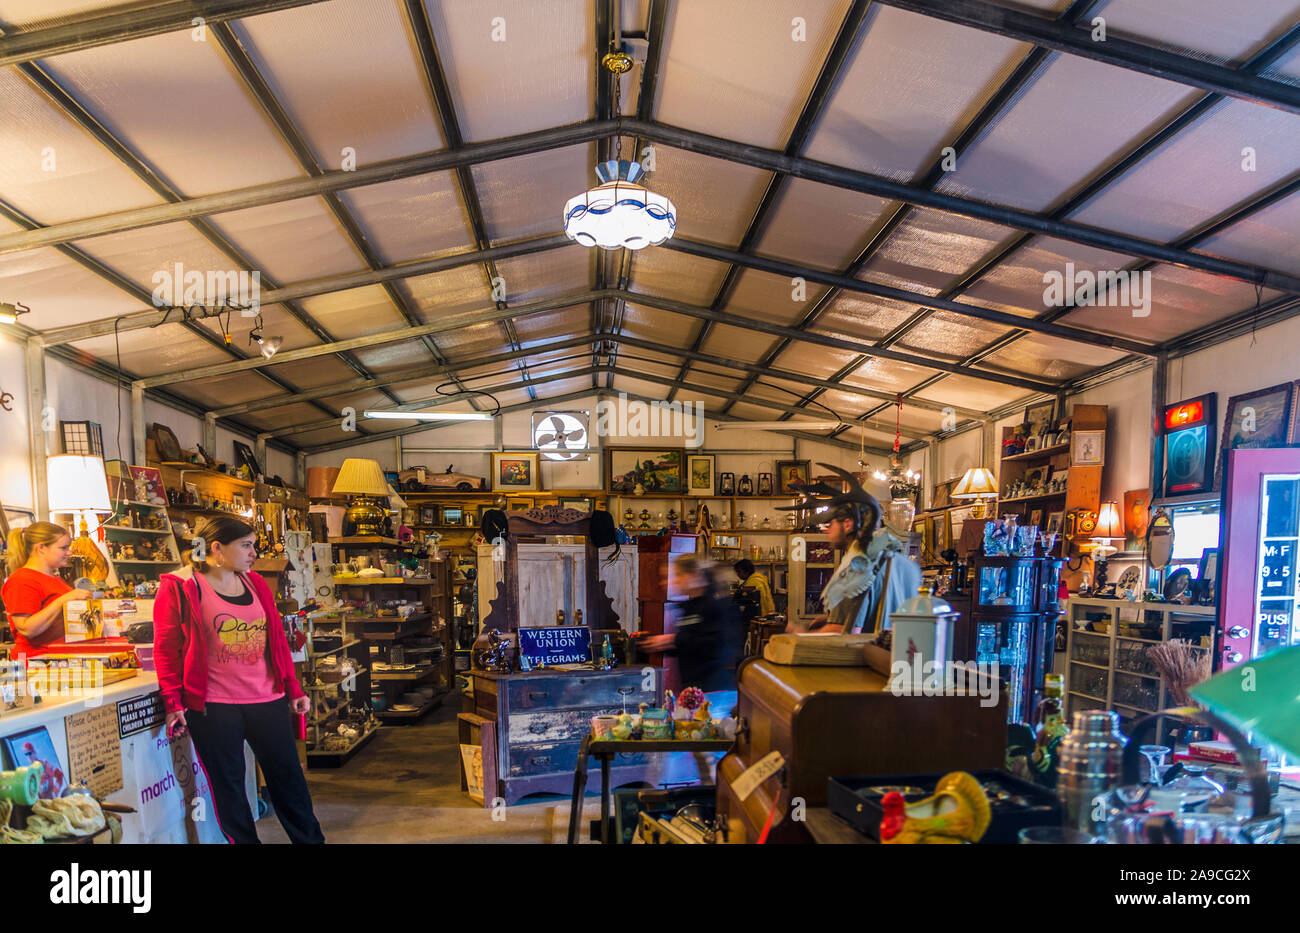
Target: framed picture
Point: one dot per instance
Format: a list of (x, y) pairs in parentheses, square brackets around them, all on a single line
[(34, 745), (1039, 418), (700, 479), (429, 515), (820, 552), (940, 534), (916, 540), (192, 493), (1089, 448), (726, 484), (238, 500), (148, 486), (244, 457), (1207, 576), (581, 505), (520, 504), (1257, 419), (791, 476), (1036, 518), (1137, 507), (169, 449), (391, 478), (1054, 522), (655, 469), (515, 472), (451, 515), (943, 494)]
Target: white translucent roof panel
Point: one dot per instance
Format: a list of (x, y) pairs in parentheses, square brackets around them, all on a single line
[(60, 291), (1198, 174), (1034, 153), (772, 298), (140, 254), (276, 321), (1288, 66), (930, 249), (411, 218), (1048, 358), (292, 416), (1206, 28), (370, 97), (50, 168), (1181, 301), (146, 353), (818, 225), (712, 379), (32, 14), (468, 344), (751, 86), (220, 391), (920, 420), (666, 273), (966, 392), (635, 360), (715, 199), (1270, 237), (391, 357), (354, 312), (454, 291), (552, 389), (331, 435), (177, 104), (736, 343), (950, 336), (655, 391), (1018, 283), (855, 316), (292, 240), (313, 373), (912, 80), (522, 65), (565, 271), (889, 375), (525, 196)]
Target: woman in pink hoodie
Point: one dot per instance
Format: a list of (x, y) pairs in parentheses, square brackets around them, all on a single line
[(227, 677)]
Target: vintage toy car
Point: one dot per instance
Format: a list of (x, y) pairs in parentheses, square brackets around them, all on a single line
[(420, 479)]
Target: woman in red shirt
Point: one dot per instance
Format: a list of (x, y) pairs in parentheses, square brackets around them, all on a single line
[(34, 593), (226, 675)]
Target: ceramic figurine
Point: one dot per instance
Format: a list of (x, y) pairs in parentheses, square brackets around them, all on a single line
[(957, 812)]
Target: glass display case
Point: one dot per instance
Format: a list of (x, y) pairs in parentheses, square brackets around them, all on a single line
[(1014, 612), (812, 564)]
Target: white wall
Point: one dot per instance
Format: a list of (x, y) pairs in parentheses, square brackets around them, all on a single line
[(1128, 433), (15, 466), (1240, 365)]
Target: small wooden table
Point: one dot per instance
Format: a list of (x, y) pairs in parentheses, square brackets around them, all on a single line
[(605, 750)]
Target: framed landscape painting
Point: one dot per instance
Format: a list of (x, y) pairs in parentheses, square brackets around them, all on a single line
[(658, 470), (699, 475)]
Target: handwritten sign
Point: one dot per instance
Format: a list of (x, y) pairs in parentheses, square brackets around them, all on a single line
[(95, 750), (140, 713), (552, 645)]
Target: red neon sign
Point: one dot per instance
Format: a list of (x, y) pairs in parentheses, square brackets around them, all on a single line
[(1182, 415)]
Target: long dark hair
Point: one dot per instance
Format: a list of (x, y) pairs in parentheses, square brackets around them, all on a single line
[(216, 529)]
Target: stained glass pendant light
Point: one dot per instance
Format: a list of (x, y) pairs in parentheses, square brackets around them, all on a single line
[(618, 211)]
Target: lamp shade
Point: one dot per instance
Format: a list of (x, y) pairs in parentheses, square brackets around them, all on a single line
[(77, 483), (976, 483), (1109, 524), (1269, 708), (360, 477)]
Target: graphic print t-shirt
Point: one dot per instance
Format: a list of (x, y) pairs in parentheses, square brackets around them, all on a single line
[(239, 670)]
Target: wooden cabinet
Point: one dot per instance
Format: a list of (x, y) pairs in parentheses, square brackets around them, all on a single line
[(552, 579), (540, 719)]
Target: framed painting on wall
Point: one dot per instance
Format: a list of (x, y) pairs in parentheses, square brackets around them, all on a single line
[(1256, 419), (658, 470), (791, 476), (700, 474), (515, 472)]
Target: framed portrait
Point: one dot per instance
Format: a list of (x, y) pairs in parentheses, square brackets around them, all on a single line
[(1207, 577), (429, 515), (1088, 448), (658, 470), (1137, 508), (791, 476), (940, 534), (1039, 418), (700, 479), (581, 505), (1055, 521), (515, 472), (192, 493), (1036, 518)]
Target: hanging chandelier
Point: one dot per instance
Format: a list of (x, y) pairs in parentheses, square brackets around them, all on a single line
[(618, 211), (903, 484)]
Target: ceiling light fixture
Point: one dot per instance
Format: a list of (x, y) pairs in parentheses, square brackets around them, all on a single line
[(9, 311), (618, 211), (778, 425), (268, 345), (431, 415)]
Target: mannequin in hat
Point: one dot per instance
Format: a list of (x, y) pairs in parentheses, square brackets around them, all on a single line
[(874, 576)]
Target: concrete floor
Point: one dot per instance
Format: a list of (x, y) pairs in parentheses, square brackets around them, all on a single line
[(404, 787)]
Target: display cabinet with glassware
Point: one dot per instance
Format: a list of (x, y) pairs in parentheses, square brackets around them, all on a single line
[(1013, 621), (335, 678), (813, 560)]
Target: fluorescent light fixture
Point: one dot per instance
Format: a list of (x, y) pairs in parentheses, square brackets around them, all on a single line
[(431, 415), (777, 425)]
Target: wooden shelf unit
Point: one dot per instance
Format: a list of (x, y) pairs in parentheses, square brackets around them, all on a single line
[(355, 689)]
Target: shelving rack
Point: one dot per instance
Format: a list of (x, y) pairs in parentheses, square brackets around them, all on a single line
[(323, 712), (122, 528)]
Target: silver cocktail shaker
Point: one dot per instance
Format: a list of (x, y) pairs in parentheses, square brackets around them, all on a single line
[(1089, 766)]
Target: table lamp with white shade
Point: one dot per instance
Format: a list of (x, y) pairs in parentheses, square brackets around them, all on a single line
[(978, 484), (1109, 528), (78, 486), (363, 479)]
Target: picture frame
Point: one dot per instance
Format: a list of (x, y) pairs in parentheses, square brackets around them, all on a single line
[(192, 493), (820, 552), (1039, 417), (169, 449), (1137, 512), (1088, 448), (452, 515), (943, 494), (428, 515), (515, 471), (701, 474), (33, 745), (726, 484), (582, 504), (1055, 522), (1036, 518), (940, 534), (244, 456), (659, 470), (147, 485), (1207, 576), (791, 477), (1255, 420), (520, 504)]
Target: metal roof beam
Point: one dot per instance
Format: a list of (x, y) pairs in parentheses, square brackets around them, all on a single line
[(1141, 57)]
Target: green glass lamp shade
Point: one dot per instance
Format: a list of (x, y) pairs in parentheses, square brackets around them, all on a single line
[(1262, 696)]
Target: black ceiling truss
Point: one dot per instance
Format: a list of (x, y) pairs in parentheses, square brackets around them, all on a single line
[(79, 113), (293, 139), (418, 19), (853, 27)]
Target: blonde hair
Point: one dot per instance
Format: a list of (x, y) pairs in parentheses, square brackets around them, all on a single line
[(217, 529), (693, 565), (22, 541)]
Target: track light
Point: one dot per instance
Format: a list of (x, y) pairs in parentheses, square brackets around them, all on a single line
[(9, 312)]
